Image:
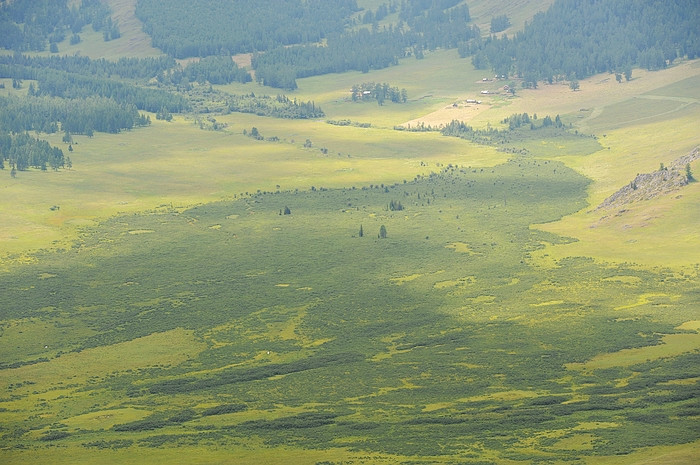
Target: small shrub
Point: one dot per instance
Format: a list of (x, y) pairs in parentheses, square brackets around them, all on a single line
[(54, 435)]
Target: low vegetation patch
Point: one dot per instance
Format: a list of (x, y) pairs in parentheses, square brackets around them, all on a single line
[(366, 364)]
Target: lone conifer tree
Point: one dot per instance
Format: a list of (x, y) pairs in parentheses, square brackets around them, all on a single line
[(361, 231), (382, 232)]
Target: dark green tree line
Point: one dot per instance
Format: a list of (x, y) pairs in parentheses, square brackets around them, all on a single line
[(579, 38), (23, 151), (378, 92), (430, 24), (491, 136), (77, 116), (287, 35), (129, 68), (280, 106), (239, 26), (215, 70), (499, 23), (56, 83), (31, 24)]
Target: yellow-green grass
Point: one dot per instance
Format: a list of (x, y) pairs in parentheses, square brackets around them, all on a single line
[(348, 145), (11, 91), (687, 88), (86, 413), (186, 166), (661, 105), (167, 348), (431, 83), (177, 164), (584, 105), (661, 231), (671, 345), (104, 419), (643, 109), (683, 454), (656, 123), (130, 172), (33, 338), (253, 452)]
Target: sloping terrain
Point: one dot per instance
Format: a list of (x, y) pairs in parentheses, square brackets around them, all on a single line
[(230, 287), (648, 186), (236, 326)]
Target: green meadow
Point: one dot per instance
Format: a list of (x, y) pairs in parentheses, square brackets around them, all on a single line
[(343, 294), (232, 325)]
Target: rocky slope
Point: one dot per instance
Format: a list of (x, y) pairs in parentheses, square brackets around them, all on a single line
[(647, 186)]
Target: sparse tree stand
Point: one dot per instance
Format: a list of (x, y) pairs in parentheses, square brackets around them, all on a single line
[(382, 232)]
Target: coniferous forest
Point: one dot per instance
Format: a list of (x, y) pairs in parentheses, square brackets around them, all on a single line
[(576, 39), (324, 37)]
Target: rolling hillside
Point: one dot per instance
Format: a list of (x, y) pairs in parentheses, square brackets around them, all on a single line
[(327, 276)]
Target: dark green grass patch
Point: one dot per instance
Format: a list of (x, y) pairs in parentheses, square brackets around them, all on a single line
[(223, 409), (441, 334)]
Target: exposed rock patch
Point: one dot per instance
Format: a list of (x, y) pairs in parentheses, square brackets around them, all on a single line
[(647, 186)]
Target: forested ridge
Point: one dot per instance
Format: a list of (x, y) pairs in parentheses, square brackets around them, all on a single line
[(573, 39), (77, 116), (72, 85), (292, 39), (579, 38), (424, 25), (129, 68), (239, 26), (32, 24)]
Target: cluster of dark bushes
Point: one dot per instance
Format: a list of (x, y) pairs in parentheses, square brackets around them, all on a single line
[(190, 384)]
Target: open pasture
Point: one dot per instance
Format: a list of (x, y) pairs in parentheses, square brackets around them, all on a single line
[(232, 326), (583, 106), (187, 166), (186, 317), (659, 232), (177, 164), (433, 82)]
